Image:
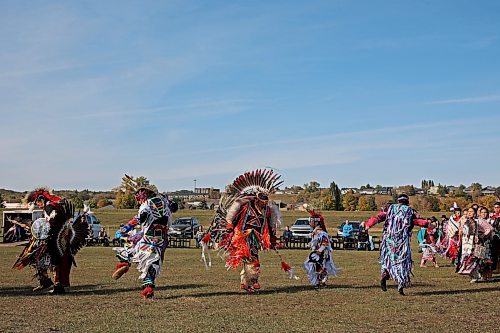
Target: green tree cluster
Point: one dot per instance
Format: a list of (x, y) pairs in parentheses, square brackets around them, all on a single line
[(336, 196), (349, 201), (125, 194)]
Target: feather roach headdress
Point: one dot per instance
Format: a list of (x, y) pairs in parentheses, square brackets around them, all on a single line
[(317, 217), (39, 193), (257, 182)]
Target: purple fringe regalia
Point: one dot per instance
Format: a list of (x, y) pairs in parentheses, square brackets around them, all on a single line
[(395, 252)]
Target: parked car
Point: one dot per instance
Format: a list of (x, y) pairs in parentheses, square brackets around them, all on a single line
[(184, 227), (355, 228), (301, 228)]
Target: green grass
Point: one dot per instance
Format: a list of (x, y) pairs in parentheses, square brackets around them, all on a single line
[(191, 299)]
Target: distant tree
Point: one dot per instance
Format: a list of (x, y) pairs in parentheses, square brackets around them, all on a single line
[(125, 200), (364, 187), (92, 203), (362, 204), (327, 203), (488, 201), (433, 203), (447, 203), (77, 202), (460, 193), (442, 190), (372, 204), (103, 203), (336, 196), (125, 194), (476, 187), (427, 184), (349, 201), (408, 189), (394, 198), (313, 186)]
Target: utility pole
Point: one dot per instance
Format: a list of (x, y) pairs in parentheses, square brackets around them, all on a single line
[(194, 185)]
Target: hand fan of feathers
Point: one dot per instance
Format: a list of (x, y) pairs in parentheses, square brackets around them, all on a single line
[(73, 233)]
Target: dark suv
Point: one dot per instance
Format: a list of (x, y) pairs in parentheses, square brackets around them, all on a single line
[(184, 227)]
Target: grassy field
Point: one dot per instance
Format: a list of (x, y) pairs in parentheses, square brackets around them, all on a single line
[(191, 299)]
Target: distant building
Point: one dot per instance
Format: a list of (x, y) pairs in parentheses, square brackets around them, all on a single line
[(385, 190), (419, 190), (488, 190), (186, 195), (469, 190), (368, 191), (434, 190)]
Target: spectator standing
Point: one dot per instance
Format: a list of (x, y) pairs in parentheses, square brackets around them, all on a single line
[(199, 236), (287, 236)]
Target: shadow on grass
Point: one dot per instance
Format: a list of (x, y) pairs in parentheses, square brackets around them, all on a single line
[(280, 290), (457, 291), (90, 289)]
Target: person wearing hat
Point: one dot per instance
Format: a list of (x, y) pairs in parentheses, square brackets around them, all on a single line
[(395, 252), (149, 244)]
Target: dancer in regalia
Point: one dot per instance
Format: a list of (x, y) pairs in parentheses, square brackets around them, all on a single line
[(319, 264), (55, 239), (395, 252), (245, 223), (429, 246), (451, 242), (475, 242), (148, 245)]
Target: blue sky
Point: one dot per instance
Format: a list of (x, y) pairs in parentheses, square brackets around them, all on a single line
[(379, 92)]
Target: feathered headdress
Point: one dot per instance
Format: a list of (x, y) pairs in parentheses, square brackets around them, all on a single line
[(255, 182), (41, 192)]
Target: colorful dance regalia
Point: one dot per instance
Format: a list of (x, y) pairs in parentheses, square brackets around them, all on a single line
[(429, 247), (476, 254), (395, 252), (55, 239), (451, 241), (147, 246), (245, 223), (319, 265), (495, 242)]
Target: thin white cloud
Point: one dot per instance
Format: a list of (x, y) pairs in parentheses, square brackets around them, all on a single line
[(480, 99), (200, 106)]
